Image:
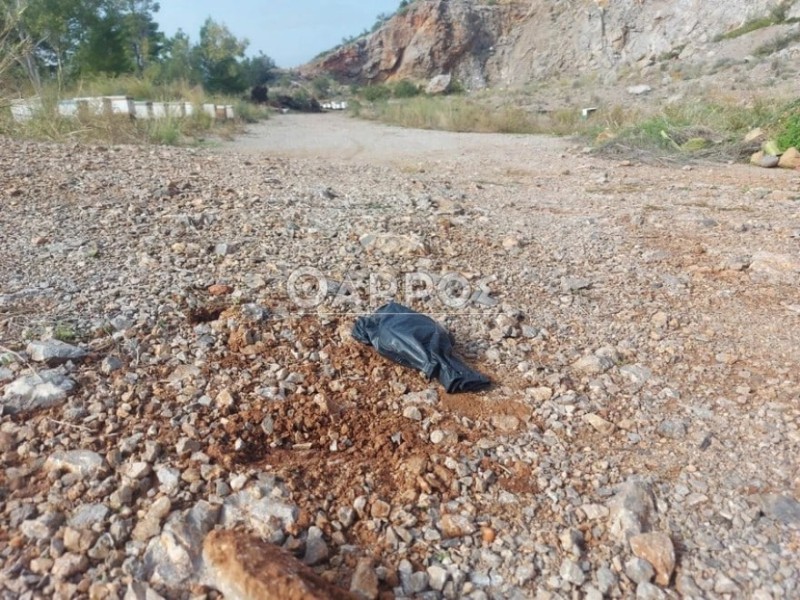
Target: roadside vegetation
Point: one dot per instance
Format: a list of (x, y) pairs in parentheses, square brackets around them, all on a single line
[(712, 129), (51, 51)]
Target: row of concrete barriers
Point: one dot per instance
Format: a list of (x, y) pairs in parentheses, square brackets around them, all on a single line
[(23, 110)]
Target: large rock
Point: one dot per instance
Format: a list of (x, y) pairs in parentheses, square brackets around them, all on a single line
[(784, 509), (638, 90), (85, 463), (244, 567), (630, 510), (790, 159), (174, 558), (439, 84), (657, 549), (39, 390), (54, 352), (260, 511)]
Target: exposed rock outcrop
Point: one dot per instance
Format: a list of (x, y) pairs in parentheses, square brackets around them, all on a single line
[(514, 42)]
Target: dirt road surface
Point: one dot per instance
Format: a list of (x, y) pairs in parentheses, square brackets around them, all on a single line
[(338, 137), (641, 325)]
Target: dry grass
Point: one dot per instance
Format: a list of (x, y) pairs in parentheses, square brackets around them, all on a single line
[(711, 129), (458, 113)]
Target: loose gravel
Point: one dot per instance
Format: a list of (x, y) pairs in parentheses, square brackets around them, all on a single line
[(641, 325)]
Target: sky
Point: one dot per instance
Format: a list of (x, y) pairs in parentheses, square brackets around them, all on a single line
[(291, 32)]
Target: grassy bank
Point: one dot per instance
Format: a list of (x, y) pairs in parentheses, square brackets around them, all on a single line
[(712, 128)]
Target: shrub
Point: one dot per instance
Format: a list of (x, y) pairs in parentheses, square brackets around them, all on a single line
[(322, 86), (405, 89), (375, 93), (790, 132)]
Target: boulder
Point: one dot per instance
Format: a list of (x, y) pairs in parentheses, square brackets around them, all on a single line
[(40, 390), (54, 352), (638, 90), (790, 159), (439, 84), (755, 136)]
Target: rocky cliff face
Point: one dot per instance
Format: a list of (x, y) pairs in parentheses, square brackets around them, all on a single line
[(514, 42)]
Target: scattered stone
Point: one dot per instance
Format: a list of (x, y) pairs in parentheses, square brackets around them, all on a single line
[(725, 585), (606, 580), (437, 577), (393, 245), (592, 364), (54, 352), (505, 423), (316, 548), (413, 413), (41, 528), (84, 463), (674, 429), (599, 423), (571, 571), (647, 591), (44, 389), (364, 584), (453, 526), (595, 511), (630, 510), (575, 284), (784, 509), (150, 525), (219, 289), (88, 515), (657, 549), (639, 570), (138, 590), (266, 515), (67, 565), (110, 364), (437, 436), (637, 374), (168, 479)]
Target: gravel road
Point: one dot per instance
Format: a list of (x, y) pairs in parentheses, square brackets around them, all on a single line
[(336, 136), (641, 325)]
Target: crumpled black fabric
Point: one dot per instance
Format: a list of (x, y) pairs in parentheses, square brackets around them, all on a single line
[(417, 341)]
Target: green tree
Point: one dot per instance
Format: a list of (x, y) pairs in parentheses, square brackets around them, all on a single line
[(11, 47), (259, 70), (179, 60), (50, 30), (220, 58), (143, 39), (104, 49)]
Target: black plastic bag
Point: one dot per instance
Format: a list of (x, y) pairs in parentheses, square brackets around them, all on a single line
[(417, 341)]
